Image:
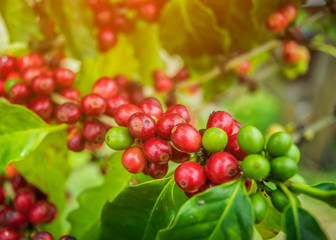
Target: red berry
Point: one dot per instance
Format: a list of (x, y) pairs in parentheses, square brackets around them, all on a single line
[(107, 39), (42, 106), (113, 103), (105, 87), (64, 77), (70, 93), (236, 126), (67, 237), (76, 141), (221, 120), (42, 236), (222, 167), (243, 67), (24, 200), (141, 126), (9, 234), (42, 212), (39, 195), (276, 22), (135, 92), (122, 81), (156, 171), (19, 93), (290, 52), (30, 60), (103, 17), (68, 113), (124, 112), (162, 83), (233, 147), (182, 75), (148, 11), (93, 105), (290, 12), (152, 107), (2, 88), (2, 194), (133, 160), (179, 157), (43, 85), (122, 24), (98, 4), (180, 110), (13, 75), (166, 123), (157, 151), (186, 138), (93, 132), (18, 182), (190, 176), (13, 219), (7, 65), (248, 184), (29, 74)]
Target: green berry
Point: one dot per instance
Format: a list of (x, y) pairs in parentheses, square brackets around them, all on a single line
[(294, 153), (250, 140), (10, 83), (259, 206), (256, 167), (283, 168), (214, 139), (119, 138), (280, 200), (279, 144)]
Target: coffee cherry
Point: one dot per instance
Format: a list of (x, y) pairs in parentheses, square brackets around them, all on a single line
[(290, 52), (152, 107), (75, 140), (124, 112), (259, 206), (141, 126), (222, 167), (18, 182), (233, 148), (93, 105), (157, 151), (186, 138), (119, 138), (42, 212), (204, 188), (19, 93), (29, 74), (39, 195), (256, 167), (64, 77), (236, 127), (280, 200), (156, 171), (70, 93), (105, 87), (30, 60), (122, 81), (289, 11), (133, 160), (248, 184), (68, 113), (283, 168), (243, 67), (93, 132), (214, 139), (190, 176), (221, 119), (148, 11), (179, 157), (181, 75), (43, 85), (13, 75), (103, 17), (279, 144), (250, 140), (135, 92), (42, 236), (9, 234), (2, 193), (15, 220), (67, 237), (107, 39), (113, 103), (9, 83), (293, 153), (166, 123), (162, 83), (7, 65), (42, 106), (276, 22), (24, 200), (2, 88), (122, 24), (98, 4), (180, 110)]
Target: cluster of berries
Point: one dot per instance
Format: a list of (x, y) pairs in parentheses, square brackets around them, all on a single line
[(293, 53), (120, 17), (278, 21)]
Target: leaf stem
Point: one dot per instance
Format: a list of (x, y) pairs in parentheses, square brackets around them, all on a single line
[(310, 191)]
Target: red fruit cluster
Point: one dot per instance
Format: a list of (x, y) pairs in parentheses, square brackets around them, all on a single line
[(113, 18), (278, 21)]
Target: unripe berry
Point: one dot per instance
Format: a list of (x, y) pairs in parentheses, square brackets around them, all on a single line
[(7, 65), (152, 107), (162, 83), (68, 113), (76, 141), (105, 87), (221, 120), (42, 212), (180, 110), (290, 12), (156, 171), (157, 151), (64, 77), (148, 11), (166, 123), (107, 39), (119, 138), (42, 236), (186, 138), (30, 60), (43, 85), (243, 67), (178, 156), (141, 126), (24, 200), (133, 160), (93, 132), (19, 93), (93, 105), (70, 93), (124, 112), (42, 106), (9, 234), (276, 22)]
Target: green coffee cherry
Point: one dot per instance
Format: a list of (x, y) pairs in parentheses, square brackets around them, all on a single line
[(279, 144), (214, 139), (283, 168), (256, 167), (259, 206), (118, 138), (250, 140)]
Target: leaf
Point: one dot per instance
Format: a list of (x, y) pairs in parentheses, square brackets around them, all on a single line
[(91, 202), (327, 186), (222, 212), (299, 224), (328, 25), (21, 131), (150, 205), (20, 20), (328, 193)]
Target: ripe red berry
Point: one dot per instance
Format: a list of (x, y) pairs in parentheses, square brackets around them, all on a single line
[(13, 75), (7, 65), (276, 22), (76, 141), (162, 83), (43, 85), (18, 182), (122, 24), (105, 87), (166, 123), (141, 126), (64, 77), (222, 167), (113, 103), (152, 107), (107, 39), (42, 106), (148, 11), (2, 88), (42, 212), (179, 157), (93, 132), (29, 74), (103, 17), (68, 113), (156, 171), (157, 151), (98, 4), (190, 176), (135, 92), (2, 193), (124, 112), (13, 219), (206, 186), (24, 200), (122, 81), (221, 120), (243, 67), (290, 12), (181, 75), (133, 160), (186, 138), (248, 184), (42, 236), (19, 93), (233, 148), (236, 126), (70, 93), (180, 110), (67, 237), (290, 52), (30, 60), (93, 105), (9, 234)]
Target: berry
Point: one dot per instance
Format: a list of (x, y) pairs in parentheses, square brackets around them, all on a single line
[(68, 113), (186, 138), (2, 194), (162, 83), (157, 151), (180, 110), (181, 75), (256, 167), (19, 93), (243, 67), (122, 23), (233, 148), (113, 103), (124, 112), (133, 160), (236, 126), (221, 119), (64, 77), (70, 93), (43, 85), (105, 87), (276, 22), (248, 184), (42, 106), (122, 81), (190, 176), (107, 39), (93, 132), (7, 65), (279, 144), (280, 200), (2, 88), (250, 140), (76, 141), (24, 199), (42, 236), (30, 60), (179, 157), (156, 171), (290, 12), (18, 182), (135, 93), (283, 168), (141, 126), (290, 52), (259, 206), (42, 212), (148, 11), (152, 107), (214, 139), (29, 74), (103, 17), (9, 234), (14, 219), (293, 153), (166, 123), (119, 138), (13, 75), (93, 105), (10, 83), (67, 237), (222, 167), (98, 4)]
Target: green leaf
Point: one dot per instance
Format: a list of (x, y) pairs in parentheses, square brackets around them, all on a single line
[(328, 25), (150, 206), (20, 20), (21, 131), (86, 218), (222, 212), (327, 186), (329, 192)]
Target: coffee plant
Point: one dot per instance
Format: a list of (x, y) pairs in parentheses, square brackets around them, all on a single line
[(146, 119)]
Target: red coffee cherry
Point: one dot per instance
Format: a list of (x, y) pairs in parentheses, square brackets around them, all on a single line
[(13, 75), (24, 200), (157, 151), (290, 52), (135, 93), (9, 234), (3, 214), (206, 186), (103, 17), (233, 148), (221, 120), (181, 75), (166, 123), (105, 87), (124, 112), (236, 126), (290, 12), (148, 11), (122, 81), (133, 3), (93, 105), (190, 176), (13, 219), (156, 171), (76, 141), (248, 184), (64, 77), (42, 236), (2, 193), (30, 60), (39, 195), (43, 85), (243, 68), (19, 93), (67, 237), (133, 160), (42, 212), (42, 106), (152, 107), (93, 132), (113, 103), (180, 110), (68, 113), (8, 64), (222, 167), (2, 88), (18, 182), (186, 138), (98, 4), (276, 22), (29, 74), (141, 126), (179, 157), (122, 24), (162, 83), (70, 93), (107, 39)]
